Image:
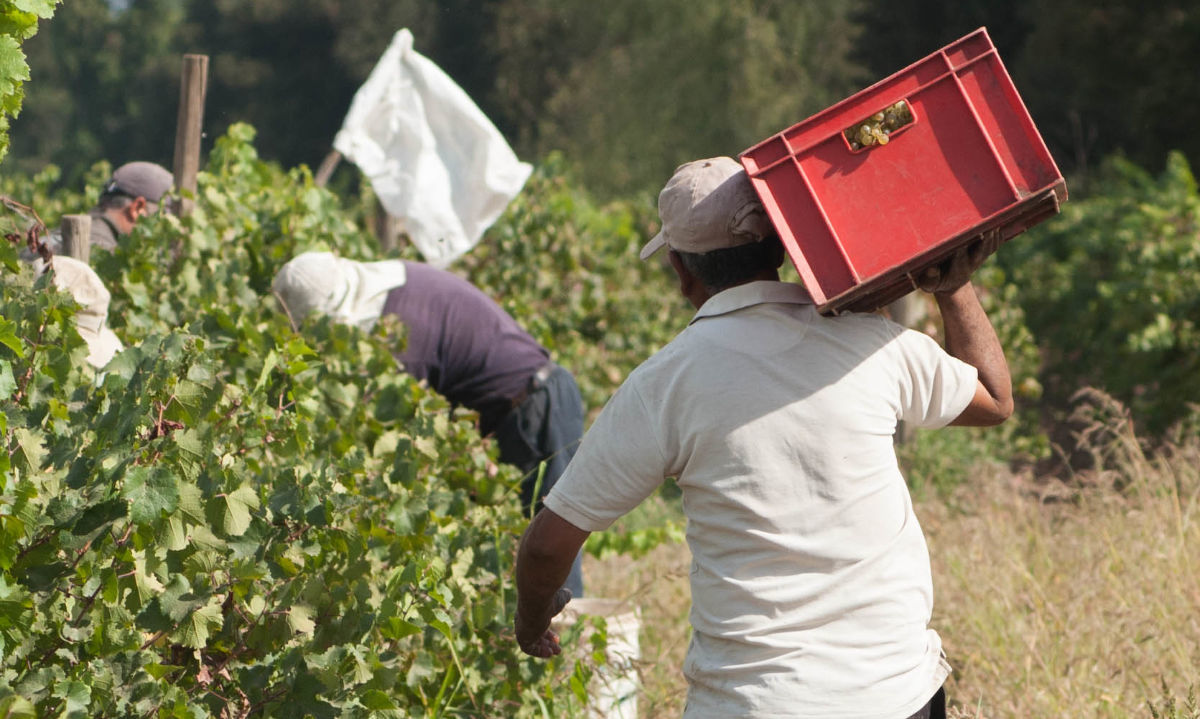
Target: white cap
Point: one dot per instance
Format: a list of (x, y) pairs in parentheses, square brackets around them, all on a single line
[(348, 291), (85, 286)]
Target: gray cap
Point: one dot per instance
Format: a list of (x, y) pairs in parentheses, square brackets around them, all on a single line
[(140, 179)]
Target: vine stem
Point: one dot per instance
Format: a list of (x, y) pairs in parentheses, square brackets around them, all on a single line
[(25, 378), (266, 700), (89, 601), (157, 635)]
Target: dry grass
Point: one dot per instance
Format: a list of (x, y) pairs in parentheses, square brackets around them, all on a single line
[(1076, 603), (657, 584)]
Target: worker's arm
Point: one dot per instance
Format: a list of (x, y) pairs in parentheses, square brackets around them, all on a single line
[(971, 338), (969, 333), (547, 551)]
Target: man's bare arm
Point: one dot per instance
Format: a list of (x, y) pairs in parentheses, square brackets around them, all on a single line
[(969, 333), (547, 551), (971, 338)]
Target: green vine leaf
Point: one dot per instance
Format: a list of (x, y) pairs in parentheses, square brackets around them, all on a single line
[(191, 502), (28, 452), (16, 609), (146, 583), (41, 8), (13, 70), (77, 695), (8, 383), (151, 492), (238, 503), (16, 707), (299, 618), (195, 629), (9, 339)]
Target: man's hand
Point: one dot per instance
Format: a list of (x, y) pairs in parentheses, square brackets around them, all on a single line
[(957, 270), (535, 637), (544, 558)]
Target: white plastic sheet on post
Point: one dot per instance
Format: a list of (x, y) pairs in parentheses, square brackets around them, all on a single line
[(434, 159), (613, 691)]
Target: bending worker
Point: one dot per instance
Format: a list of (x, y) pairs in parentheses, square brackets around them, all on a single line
[(465, 346), (810, 581)]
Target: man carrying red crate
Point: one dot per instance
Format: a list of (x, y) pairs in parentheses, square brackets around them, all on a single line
[(811, 583)]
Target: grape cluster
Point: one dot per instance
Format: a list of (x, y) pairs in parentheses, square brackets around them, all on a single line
[(876, 129)]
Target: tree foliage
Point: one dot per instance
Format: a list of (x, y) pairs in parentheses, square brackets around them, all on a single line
[(897, 33), (291, 68), (1103, 77), (626, 92), (1098, 77), (1111, 290), (106, 87), (630, 90)]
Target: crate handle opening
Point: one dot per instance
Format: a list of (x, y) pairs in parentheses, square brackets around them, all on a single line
[(878, 128)]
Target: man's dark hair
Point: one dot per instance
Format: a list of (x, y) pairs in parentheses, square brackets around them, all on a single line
[(114, 200), (721, 269)]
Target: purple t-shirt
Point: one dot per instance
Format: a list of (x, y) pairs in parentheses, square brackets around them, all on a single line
[(464, 344)]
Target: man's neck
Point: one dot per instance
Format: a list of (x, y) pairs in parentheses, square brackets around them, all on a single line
[(113, 225), (764, 276)]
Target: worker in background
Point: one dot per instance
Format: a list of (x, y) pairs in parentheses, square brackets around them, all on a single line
[(466, 347), (134, 191)]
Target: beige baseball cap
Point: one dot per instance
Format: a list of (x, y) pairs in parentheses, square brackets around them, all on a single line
[(709, 205)]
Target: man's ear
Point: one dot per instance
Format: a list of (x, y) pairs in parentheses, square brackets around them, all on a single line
[(687, 280), (130, 213), (689, 285)]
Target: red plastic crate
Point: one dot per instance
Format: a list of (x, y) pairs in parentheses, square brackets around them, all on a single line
[(859, 223)]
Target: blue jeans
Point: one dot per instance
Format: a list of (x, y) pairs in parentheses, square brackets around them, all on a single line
[(540, 437)]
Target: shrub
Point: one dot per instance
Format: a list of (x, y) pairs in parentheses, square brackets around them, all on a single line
[(1111, 290)]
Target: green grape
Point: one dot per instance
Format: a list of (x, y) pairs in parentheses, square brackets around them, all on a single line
[(877, 129)]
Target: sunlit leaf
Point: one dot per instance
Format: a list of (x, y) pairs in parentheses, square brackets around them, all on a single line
[(300, 619), (150, 492), (238, 505)]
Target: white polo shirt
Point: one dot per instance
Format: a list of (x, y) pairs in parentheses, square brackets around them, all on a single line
[(810, 577)]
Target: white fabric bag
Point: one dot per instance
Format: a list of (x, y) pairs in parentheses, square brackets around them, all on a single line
[(434, 159)]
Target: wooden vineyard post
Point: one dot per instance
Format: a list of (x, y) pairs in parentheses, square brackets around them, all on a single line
[(77, 236), (189, 127), (328, 165)]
